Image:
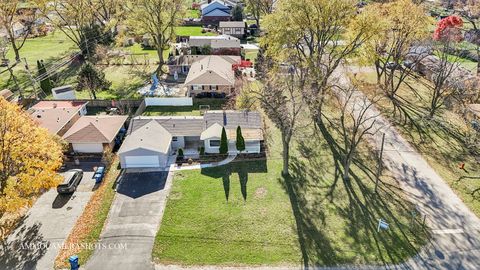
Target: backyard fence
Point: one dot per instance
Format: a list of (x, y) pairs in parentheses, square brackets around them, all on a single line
[(173, 101)]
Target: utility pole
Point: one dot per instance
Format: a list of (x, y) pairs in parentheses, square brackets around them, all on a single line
[(31, 78), (380, 164)]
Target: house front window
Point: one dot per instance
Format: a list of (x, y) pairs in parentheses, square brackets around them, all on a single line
[(174, 139), (214, 143), (197, 87)]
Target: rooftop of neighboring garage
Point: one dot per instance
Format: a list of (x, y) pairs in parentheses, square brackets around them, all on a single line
[(95, 129)]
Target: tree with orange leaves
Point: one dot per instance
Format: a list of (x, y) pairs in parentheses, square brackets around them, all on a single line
[(29, 158)]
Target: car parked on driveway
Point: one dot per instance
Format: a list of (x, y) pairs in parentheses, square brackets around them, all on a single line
[(70, 181)]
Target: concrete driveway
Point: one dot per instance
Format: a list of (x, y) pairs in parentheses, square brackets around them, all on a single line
[(134, 218), (38, 238)]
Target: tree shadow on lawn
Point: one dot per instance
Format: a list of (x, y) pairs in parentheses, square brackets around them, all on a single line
[(242, 168), (339, 225)]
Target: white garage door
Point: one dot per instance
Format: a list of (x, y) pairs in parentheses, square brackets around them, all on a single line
[(142, 162), (88, 147)]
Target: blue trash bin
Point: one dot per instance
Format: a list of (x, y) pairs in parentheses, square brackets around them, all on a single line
[(73, 262)]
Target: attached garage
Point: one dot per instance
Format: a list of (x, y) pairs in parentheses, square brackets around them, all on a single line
[(87, 147), (139, 150)]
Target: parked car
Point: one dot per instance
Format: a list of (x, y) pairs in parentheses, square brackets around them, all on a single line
[(71, 180), (204, 95), (393, 66), (218, 95), (98, 175)]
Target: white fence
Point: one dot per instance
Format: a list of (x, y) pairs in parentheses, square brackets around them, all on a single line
[(177, 101)]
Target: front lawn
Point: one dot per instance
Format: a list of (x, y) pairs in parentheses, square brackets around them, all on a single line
[(312, 218), (237, 214)]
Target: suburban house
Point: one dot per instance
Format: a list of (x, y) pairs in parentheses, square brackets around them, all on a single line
[(57, 116), (218, 45), (236, 29), (6, 94), (95, 134), (213, 74), (152, 139), (181, 64), (215, 12), (228, 3)]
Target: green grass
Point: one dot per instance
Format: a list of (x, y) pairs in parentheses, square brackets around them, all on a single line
[(201, 227), (280, 220), (193, 13), (252, 55), (191, 31), (50, 48), (125, 79), (443, 141), (214, 103)]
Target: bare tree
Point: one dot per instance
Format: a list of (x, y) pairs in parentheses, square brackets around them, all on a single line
[(282, 101), (18, 26), (357, 120), (313, 34), (259, 8), (444, 77), (158, 19)]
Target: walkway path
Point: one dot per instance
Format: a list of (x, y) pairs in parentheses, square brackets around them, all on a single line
[(230, 158)]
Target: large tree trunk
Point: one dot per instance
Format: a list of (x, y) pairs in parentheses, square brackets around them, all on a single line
[(94, 95), (478, 61), (285, 154), (346, 168), (14, 45)]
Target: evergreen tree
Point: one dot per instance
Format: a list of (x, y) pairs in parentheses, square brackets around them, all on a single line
[(92, 79), (240, 140), (46, 84), (223, 142), (237, 13)]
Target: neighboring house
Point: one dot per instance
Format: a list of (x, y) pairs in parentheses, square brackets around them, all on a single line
[(213, 74), (6, 94), (151, 140), (19, 29), (236, 29), (219, 45), (57, 116), (95, 134), (64, 92), (181, 64), (228, 3), (215, 12)]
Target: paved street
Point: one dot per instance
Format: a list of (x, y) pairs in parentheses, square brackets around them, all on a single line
[(36, 242), (133, 222), (456, 230)]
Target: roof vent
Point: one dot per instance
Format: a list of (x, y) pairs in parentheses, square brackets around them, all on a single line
[(39, 116), (54, 105)]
